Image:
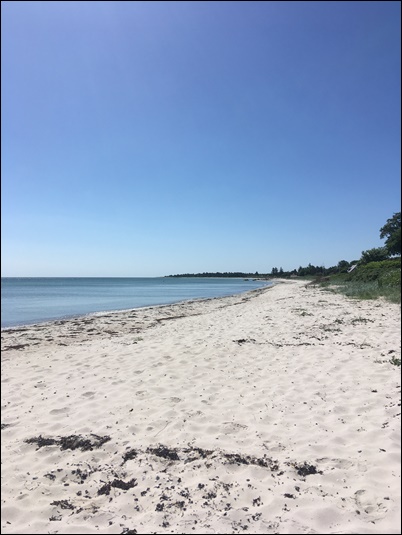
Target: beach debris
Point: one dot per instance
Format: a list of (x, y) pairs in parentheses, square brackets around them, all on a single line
[(191, 454), (244, 341), (264, 462), (200, 454), (168, 493), (63, 504), (41, 441), (117, 484), (165, 452), (71, 442), (130, 454), (82, 475), (74, 442), (306, 469)]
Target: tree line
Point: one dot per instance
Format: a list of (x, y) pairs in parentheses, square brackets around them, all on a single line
[(226, 274), (391, 232)]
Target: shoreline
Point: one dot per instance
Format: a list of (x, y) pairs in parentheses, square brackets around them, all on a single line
[(71, 323), (268, 411), (123, 310)]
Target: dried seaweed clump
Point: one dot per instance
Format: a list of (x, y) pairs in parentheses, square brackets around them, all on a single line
[(117, 484), (164, 452), (71, 442), (306, 469)]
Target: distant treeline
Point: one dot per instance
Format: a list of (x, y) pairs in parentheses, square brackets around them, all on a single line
[(377, 273), (342, 266), (391, 231), (234, 274)]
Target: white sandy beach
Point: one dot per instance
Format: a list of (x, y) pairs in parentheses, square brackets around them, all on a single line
[(276, 411)]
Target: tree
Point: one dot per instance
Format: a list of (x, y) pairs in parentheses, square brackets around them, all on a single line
[(374, 255), (392, 232)]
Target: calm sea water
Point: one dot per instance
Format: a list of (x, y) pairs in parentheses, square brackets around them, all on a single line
[(32, 300)]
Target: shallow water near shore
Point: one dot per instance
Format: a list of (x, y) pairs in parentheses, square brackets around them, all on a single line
[(25, 301)]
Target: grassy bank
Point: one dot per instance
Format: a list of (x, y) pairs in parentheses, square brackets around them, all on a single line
[(370, 281)]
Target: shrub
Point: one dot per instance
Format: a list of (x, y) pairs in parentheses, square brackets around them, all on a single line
[(375, 270), (373, 280)]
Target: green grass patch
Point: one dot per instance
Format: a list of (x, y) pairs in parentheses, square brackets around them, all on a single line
[(378, 271), (370, 281)]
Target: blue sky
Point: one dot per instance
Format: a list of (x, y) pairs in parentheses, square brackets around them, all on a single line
[(149, 138)]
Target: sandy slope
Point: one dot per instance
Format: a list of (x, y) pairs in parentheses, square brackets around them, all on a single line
[(273, 412)]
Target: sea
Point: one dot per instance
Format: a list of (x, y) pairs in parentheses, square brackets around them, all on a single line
[(25, 301)]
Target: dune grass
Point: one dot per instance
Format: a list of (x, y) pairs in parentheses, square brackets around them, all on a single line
[(367, 290), (370, 281)]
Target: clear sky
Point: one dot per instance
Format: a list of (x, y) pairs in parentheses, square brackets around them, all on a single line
[(150, 138)]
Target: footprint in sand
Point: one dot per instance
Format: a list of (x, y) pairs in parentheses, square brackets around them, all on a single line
[(373, 506), (59, 411)]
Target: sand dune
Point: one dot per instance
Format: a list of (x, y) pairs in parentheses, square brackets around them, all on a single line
[(277, 411)]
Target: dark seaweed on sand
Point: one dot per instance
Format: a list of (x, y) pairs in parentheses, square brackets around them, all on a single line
[(130, 454), (306, 469), (74, 442), (63, 504), (236, 458), (117, 484), (41, 441), (164, 452), (71, 442), (200, 454)]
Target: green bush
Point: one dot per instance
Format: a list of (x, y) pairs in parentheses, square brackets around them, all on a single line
[(375, 270), (391, 278), (373, 280)]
